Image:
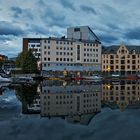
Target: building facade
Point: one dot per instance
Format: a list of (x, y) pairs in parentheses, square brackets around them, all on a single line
[(60, 54), (121, 59), (32, 44), (3, 57)]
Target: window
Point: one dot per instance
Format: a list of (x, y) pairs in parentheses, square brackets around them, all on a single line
[(76, 29), (48, 41), (122, 61), (133, 67), (57, 53), (48, 47), (133, 56), (133, 62), (111, 62), (71, 54), (48, 58), (44, 58), (48, 53)]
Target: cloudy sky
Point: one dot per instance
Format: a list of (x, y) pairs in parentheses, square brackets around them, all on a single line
[(114, 22)]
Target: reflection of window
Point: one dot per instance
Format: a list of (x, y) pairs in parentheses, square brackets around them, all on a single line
[(78, 52)]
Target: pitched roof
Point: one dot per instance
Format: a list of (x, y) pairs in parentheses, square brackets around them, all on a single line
[(113, 49)]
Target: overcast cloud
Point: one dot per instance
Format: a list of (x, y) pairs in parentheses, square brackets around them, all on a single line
[(114, 22)]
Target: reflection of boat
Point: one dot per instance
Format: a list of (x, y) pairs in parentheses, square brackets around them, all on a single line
[(4, 79), (132, 77), (4, 85), (77, 78), (94, 78), (20, 80)]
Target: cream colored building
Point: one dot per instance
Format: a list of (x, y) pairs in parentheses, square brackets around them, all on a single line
[(59, 54), (121, 59)]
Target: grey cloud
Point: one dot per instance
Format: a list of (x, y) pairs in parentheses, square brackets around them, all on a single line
[(6, 28), (88, 9), (54, 19), (108, 38), (113, 26), (22, 13), (67, 4), (133, 33), (17, 11), (38, 29)]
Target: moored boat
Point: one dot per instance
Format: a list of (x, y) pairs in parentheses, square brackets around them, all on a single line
[(5, 79)]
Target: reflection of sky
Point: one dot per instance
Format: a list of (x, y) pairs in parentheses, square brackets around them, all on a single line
[(107, 125), (8, 99)]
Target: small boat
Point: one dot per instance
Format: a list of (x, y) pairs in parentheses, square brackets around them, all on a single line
[(5, 79), (24, 80)]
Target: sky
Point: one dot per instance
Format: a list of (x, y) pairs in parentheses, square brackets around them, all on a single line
[(114, 22)]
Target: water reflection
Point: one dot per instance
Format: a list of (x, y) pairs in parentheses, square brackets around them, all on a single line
[(74, 102), (122, 95), (77, 101)]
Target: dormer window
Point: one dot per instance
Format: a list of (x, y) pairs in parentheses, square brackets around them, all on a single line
[(133, 51)]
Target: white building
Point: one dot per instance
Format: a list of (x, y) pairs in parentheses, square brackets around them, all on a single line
[(60, 54)]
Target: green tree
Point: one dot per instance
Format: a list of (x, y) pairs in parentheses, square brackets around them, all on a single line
[(27, 62)]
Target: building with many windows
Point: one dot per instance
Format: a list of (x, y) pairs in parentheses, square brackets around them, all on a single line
[(59, 54), (121, 59), (80, 51)]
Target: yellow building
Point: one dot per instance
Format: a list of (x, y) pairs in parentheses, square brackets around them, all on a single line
[(3, 57), (121, 59)]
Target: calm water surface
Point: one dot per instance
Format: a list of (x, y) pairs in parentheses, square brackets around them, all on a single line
[(60, 110)]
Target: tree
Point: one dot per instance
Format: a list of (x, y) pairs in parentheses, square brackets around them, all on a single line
[(27, 62)]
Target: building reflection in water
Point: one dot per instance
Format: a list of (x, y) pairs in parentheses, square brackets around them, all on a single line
[(80, 102), (76, 103), (122, 95)]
